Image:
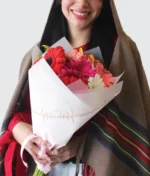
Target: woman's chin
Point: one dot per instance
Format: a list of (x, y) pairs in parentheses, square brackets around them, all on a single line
[(80, 25)]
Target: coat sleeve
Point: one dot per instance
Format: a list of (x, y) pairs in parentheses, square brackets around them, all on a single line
[(143, 83)]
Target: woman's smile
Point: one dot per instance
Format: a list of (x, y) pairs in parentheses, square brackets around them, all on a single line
[(80, 14)]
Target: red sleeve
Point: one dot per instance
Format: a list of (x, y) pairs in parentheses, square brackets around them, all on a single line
[(19, 117)]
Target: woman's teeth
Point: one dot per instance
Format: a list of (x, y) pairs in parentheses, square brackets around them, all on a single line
[(81, 14)]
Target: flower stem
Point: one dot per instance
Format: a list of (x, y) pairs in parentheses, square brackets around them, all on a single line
[(37, 172)]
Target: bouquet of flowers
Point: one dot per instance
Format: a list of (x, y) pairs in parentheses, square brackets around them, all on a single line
[(67, 88)]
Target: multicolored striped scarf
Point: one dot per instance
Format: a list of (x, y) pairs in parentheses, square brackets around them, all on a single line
[(124, 137)]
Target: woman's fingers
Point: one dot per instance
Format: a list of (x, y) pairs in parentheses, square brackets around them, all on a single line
[(29, 147), (39, 147), (53, 164), (67, 152), (34, 147), (42, 161), (61, 157), (37, 151), (34, 151), (38, 141), (55, 152)]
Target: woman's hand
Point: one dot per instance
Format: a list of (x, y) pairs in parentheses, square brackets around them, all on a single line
[(65, 153), (20, 132)]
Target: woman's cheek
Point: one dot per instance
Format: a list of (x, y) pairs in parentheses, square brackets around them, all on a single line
[(97, 5), (67, 2)]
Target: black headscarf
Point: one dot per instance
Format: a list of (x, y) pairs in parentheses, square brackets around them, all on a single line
[(103, 32)]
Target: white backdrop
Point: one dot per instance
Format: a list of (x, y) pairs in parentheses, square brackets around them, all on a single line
[(22, 24)]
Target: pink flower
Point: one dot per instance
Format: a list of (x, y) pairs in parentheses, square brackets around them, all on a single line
[(100, 69), (107, 77), (75, 54), (80, 69)]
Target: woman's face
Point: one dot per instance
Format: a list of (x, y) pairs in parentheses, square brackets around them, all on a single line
[(81, 13)]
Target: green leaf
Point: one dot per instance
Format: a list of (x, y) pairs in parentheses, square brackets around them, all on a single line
[(46, 47)]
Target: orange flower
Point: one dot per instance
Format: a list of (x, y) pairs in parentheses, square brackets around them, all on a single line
[(92, 59), (75, 54)]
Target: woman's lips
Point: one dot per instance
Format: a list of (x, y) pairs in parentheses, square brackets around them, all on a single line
[(80, 14)]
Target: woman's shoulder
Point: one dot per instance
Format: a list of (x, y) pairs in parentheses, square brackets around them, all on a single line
[(127, 38), (29, 58)]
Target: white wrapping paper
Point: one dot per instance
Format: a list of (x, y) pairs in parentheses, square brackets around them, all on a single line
[(58, 111)]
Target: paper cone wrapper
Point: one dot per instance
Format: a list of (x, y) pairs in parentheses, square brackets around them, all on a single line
[(58, 111)]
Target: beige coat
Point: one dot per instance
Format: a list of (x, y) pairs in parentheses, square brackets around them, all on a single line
[(133, 100)]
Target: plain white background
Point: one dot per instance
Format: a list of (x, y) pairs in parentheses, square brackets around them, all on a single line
[(22, 24)]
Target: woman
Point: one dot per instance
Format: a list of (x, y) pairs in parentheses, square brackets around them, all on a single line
[(117, 141)]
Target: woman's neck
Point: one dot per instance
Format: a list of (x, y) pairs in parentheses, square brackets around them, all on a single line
[(79, 37)]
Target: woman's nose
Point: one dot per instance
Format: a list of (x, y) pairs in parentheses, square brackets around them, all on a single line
[(82, 2)]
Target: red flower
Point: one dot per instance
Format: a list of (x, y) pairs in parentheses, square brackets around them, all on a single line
[(55, 54), (60, 60), (57, 68), (55, 58), (68, 80)]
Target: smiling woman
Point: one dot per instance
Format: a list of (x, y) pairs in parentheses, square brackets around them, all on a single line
[(117, 138)]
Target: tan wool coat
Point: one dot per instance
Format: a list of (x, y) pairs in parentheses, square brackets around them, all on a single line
[(110, 158)]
